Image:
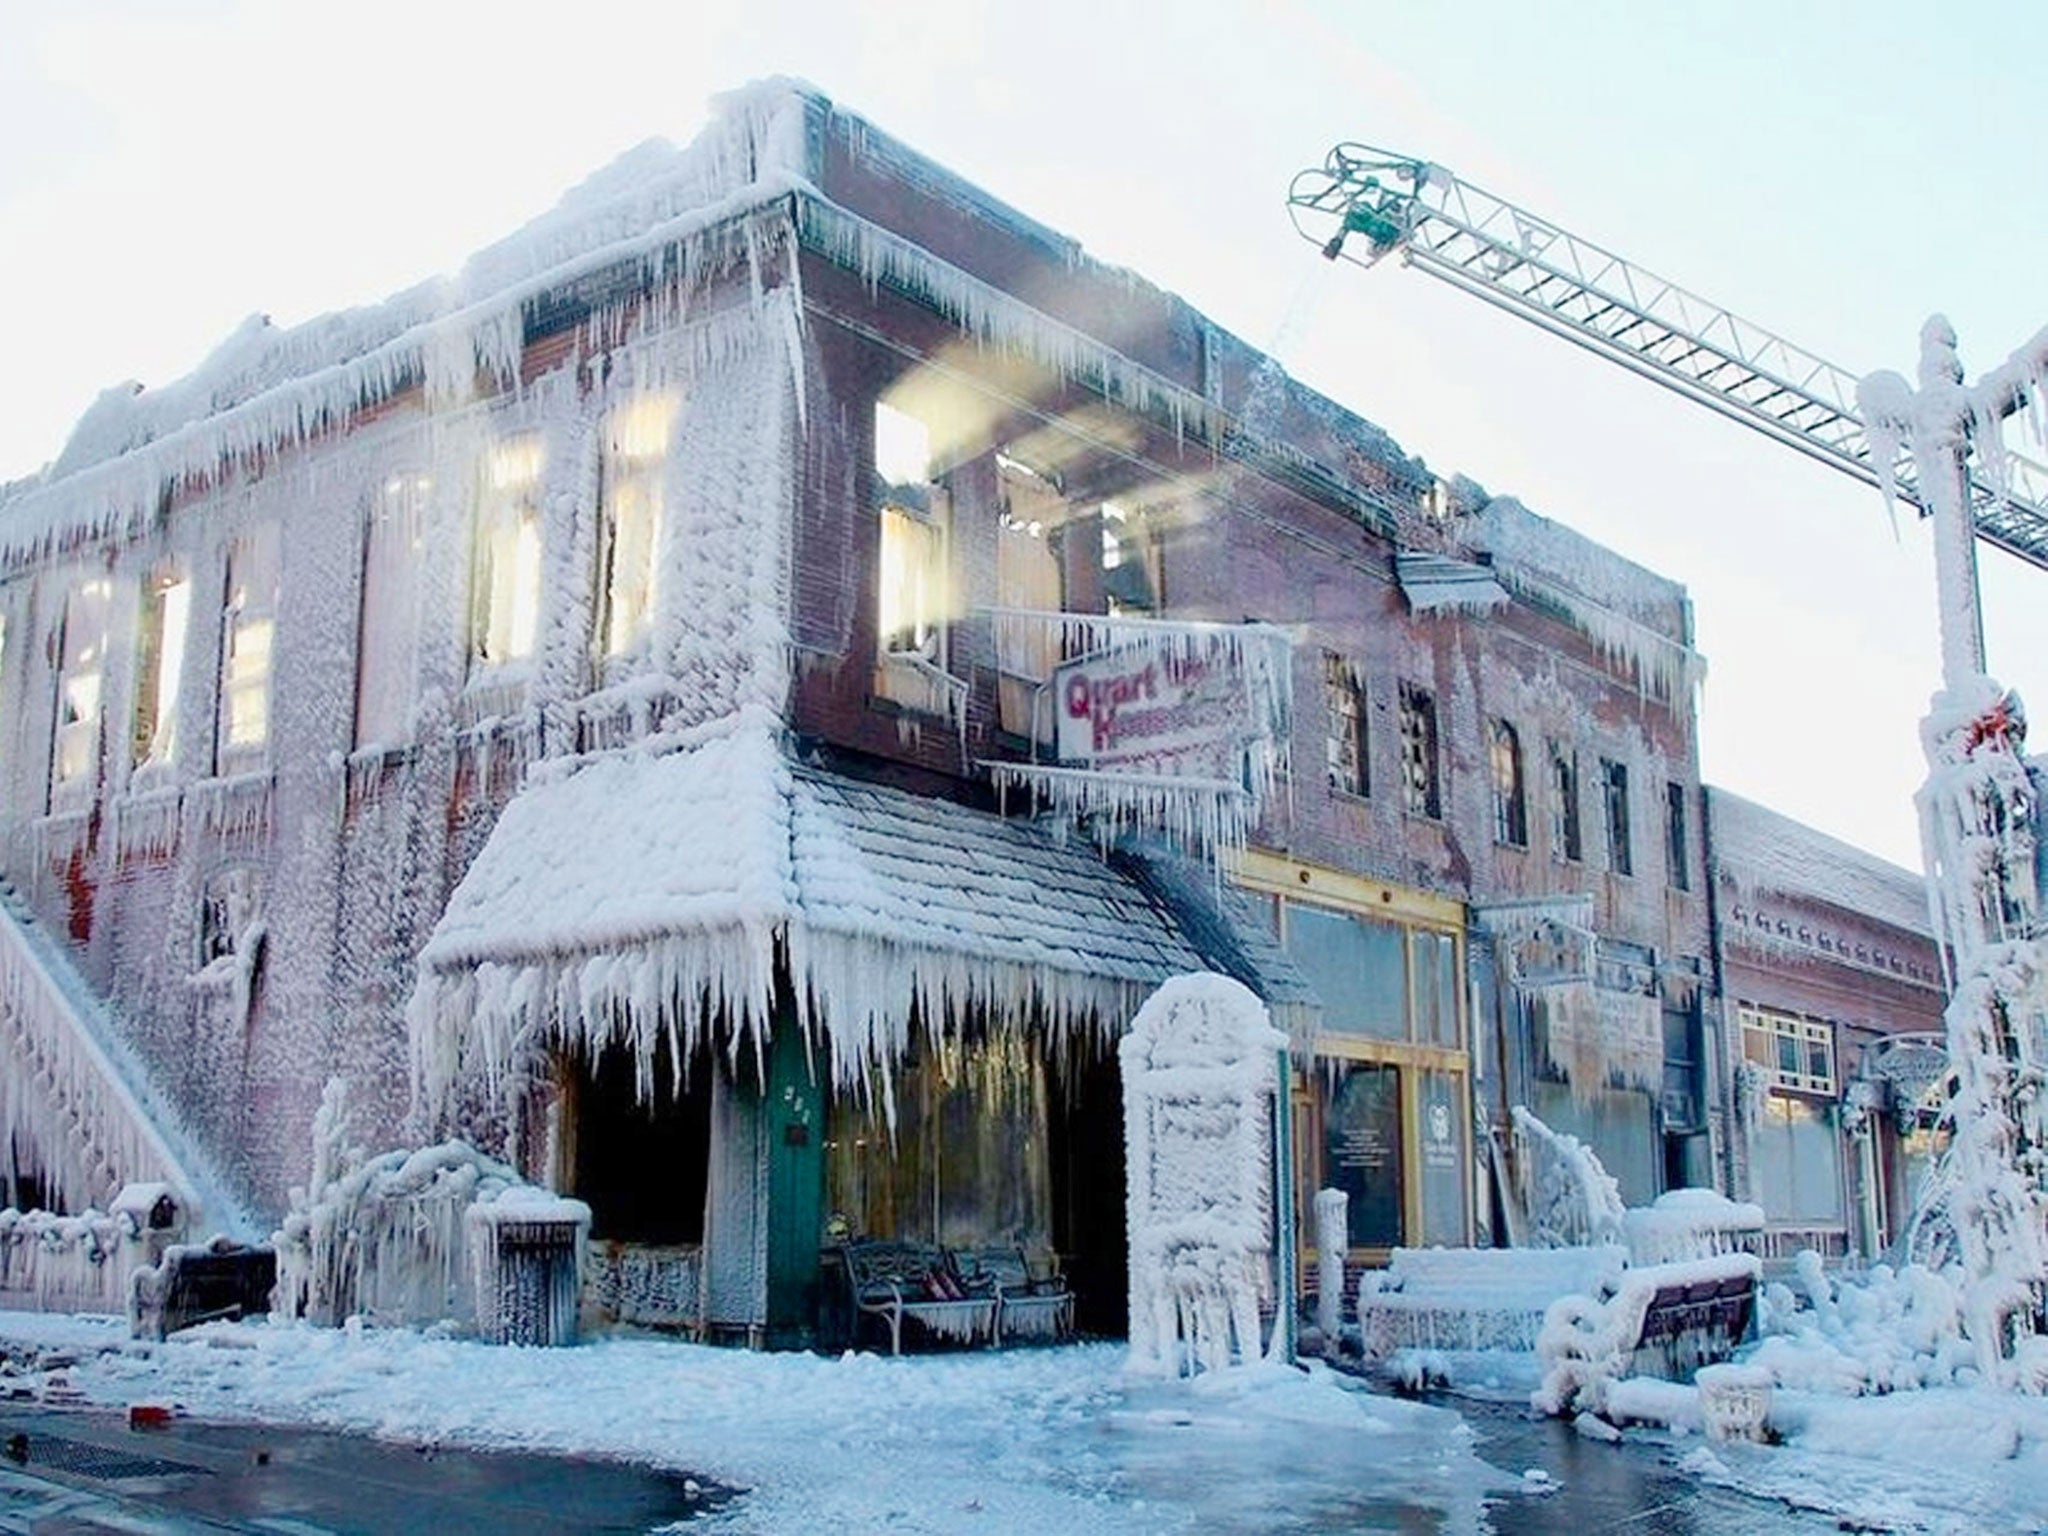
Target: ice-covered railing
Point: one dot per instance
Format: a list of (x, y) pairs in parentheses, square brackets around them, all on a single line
[(1189, 739), (386, 1238), (74, 1093), (1564, 1198)]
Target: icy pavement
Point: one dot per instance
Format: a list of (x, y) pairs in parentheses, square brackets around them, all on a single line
[(1060, 1440), (1017, 1440)]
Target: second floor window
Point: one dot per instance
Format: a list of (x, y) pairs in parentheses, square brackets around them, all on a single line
[(248, 625), (505, 605), (1675, 836), (629, 522), (1567, 843), (1345, 745), (81, 671), (159, 666), (1421, 789), (912, 603), (1614, 798), (387, 656), (1510, 798)]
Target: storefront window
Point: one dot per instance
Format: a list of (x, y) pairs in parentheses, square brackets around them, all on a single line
[(1362, 1151), (1356, 967), (1443, 1159), (1795, 1161), (966, 1163)]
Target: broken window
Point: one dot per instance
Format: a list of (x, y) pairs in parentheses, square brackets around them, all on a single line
[(81, 671), (387, 644), (1344, 745), (1510, 799), (629, 522), (1614, 797), (159, 663), (505, 605), (1421, 790), (1030, 578), (913, 594), (1130, 562), (1566, 843), (1675, 836), (248, 638), (228, 910)]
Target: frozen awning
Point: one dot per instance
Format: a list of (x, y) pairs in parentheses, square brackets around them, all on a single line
[(1440, 584), (648, 897)]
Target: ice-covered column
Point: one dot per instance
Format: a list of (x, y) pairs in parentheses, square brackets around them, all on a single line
[(1978, 816), (1200, 1071)]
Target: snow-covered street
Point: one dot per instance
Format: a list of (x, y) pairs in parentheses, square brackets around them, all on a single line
[(1042, 1439)]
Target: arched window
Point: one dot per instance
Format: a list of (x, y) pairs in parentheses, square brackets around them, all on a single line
[(1510, 800)]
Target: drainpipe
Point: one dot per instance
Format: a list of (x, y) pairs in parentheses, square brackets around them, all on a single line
[(1715, 1059), (1284, 1212)]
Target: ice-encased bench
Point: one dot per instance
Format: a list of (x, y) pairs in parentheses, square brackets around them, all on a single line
[(1474, 1298)]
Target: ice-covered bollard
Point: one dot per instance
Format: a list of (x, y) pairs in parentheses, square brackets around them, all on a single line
[(1735, 1401), (1332, 1237)]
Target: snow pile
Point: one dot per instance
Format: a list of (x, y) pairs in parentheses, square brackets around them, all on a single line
[(1882, 1332), (384, 1238), (1200, 1070), (1566, 1199), (1590, 1342), (1690, 1224)]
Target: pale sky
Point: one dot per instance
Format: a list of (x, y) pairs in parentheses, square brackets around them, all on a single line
[(1833, 172)]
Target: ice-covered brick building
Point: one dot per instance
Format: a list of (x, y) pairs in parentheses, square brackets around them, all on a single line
[(1833, 991), (737, 696)]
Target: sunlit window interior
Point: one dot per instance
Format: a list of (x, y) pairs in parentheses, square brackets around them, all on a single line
[(913, 561), (159, 663), (394, 549), (635, 454), (75, 754), (248, 636), (506, 613)]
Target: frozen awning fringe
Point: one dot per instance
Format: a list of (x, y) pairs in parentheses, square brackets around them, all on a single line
[(649, 898)]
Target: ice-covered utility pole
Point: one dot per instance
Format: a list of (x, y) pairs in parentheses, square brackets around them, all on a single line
[(1980, 819)]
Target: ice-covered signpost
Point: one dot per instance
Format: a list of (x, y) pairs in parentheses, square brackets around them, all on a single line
[(1200, 1070), (1979, 817)]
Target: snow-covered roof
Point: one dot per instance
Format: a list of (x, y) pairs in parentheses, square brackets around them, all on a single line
[(1758, 849), (644, 894)]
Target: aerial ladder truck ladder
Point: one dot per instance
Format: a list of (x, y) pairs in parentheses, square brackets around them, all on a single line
[(1937, 446)]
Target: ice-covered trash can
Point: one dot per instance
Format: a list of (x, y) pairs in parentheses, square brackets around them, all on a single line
[(1735, 1401), (526, 1253)]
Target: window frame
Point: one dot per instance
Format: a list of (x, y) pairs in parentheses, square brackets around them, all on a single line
[(1347, 731), (163, 627), (402, 502), (1567, 823), (79, 682), (1775, 1030), (1615, 815), (1421, 759), (507, 510), (632, 469), (248, 610), (1677, 836), (1509, 784)]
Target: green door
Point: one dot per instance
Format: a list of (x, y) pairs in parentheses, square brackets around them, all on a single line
[(794, 1122)]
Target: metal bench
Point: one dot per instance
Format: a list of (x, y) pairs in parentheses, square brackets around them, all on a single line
[(900, 1282), (1029, 1304)]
